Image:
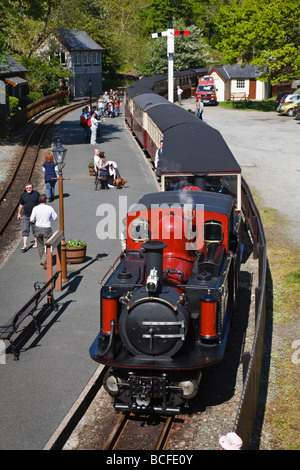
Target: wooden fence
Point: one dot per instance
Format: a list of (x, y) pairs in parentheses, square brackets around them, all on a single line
[(27, 113)]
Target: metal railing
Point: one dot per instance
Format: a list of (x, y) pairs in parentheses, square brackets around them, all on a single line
[(246, 413)]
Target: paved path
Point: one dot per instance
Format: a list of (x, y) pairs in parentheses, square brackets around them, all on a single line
[(38, 390)]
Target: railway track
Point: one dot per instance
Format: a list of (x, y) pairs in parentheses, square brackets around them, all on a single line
[(139, 433), (11, 193)]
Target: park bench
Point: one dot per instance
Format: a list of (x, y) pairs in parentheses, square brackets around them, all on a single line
[(42, 289), (238, 96)]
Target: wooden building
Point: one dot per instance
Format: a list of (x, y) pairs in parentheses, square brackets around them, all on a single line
[(236, 83)]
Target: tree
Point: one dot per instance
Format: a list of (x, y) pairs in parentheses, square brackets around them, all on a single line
[(23, 23), (44, 76), (190, 52), (264, 33)]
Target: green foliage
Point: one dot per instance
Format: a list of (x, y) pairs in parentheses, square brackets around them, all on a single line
[(267, 105), (75, 243), (14, 104), (261, 32), (264, 33), (44, 76), (34, 96), (190, 52)]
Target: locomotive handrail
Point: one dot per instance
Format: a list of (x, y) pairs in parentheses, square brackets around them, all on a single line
[(246, 413), (112, 268)]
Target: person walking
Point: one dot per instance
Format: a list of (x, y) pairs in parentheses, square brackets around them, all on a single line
[(199, 108), (42, 215), (179, 93), (157, 158), (50, 173), (103, 171), (94, 128), (84, 117), (28, 201), (96, 160)]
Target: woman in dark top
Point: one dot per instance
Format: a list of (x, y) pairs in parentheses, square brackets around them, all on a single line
[(50, 171)]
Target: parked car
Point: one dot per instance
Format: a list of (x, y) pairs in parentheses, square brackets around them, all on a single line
[(297, 111), (291, 98), (280, 97), (288, 108)]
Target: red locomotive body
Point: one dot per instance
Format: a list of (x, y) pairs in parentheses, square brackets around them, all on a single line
[(166, 307)]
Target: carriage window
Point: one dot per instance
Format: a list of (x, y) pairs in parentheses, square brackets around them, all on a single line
[(225, 184), (139, 230), (213, 231), (174, 183)]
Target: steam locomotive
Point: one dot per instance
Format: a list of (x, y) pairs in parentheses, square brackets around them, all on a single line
[(167, 303)]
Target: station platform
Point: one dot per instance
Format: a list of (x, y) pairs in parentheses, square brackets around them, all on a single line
[(54, 367)]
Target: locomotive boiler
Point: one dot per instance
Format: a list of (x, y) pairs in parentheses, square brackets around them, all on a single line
[(166, 305)]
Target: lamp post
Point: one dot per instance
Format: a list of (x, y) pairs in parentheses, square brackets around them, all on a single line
[(59, 153), (90, 91)]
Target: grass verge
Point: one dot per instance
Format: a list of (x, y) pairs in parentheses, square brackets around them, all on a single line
[(281, 429)]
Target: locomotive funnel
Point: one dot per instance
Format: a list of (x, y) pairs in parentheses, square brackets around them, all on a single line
[(154, 257)]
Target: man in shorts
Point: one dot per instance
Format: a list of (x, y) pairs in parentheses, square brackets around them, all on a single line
[(28, 201)]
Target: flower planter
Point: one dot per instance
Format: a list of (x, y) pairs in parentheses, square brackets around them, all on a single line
[(92, 171), (75, 254)]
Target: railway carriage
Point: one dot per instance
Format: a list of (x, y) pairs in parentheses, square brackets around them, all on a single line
[(167, 303)]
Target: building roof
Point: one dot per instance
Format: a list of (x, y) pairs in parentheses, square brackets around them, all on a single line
[(10, 67), (230, 72), (15, 81), (77, 40)]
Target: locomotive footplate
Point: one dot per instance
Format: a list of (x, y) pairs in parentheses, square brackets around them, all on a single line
[(145, 388), (151, 394)]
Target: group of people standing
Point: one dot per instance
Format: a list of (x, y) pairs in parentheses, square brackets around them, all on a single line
[(90, 119), (34, 211), (109, 104)]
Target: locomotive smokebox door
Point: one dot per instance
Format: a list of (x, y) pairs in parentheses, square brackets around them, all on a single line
[(154, 327)]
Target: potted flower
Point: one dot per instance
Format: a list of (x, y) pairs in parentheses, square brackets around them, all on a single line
[(92, 169), (75, 251)]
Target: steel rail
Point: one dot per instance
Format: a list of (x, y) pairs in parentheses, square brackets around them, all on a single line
[(120, 426), (116, 433)]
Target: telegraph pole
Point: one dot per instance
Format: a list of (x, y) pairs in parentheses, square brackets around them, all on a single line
[(170, 33)]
